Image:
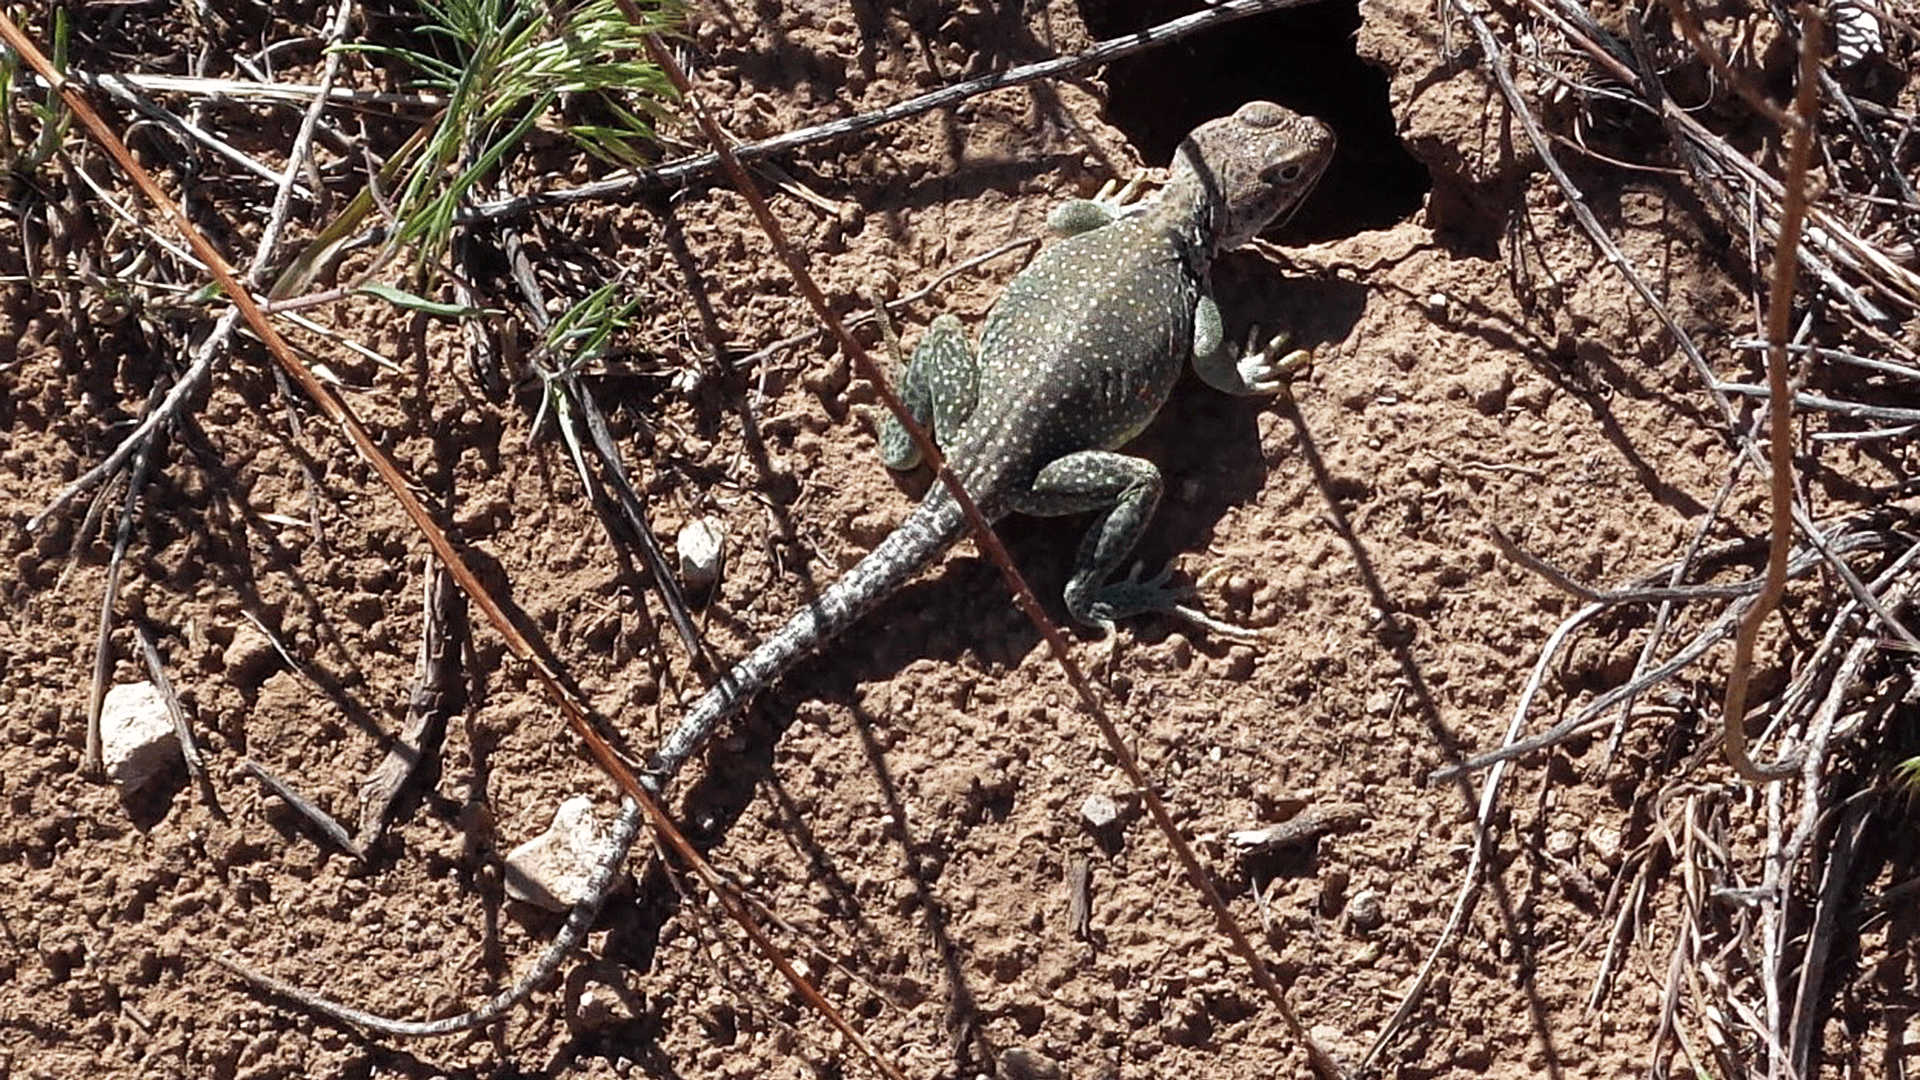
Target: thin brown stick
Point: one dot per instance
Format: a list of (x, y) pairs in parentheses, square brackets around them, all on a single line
[(435, 692), (1689, 23), (1645, 591), (162, 412), (1821, 403), (109, 594), (1775, 894), (1663, 618), (1780, 403), (1807, 1000), (1838, 356), (143, 433), (1024, 244), (1846, 540), (189, 749)]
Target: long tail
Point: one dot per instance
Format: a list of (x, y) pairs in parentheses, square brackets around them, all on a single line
[(920, 539), (929, 530)]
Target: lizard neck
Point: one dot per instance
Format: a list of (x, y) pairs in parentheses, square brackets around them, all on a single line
[(1189, 216)]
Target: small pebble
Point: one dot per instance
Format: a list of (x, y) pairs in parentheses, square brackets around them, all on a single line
[(1239, 663), (1485, 385), (1605, 840), (595, 1011), (1099, 811), (249, 657), (1334, 1042), (1020, 1063), (599, 1008), (551, 870), (137, 739), (1365, 911), (1179, 649), (1333, 890), (701, 543)]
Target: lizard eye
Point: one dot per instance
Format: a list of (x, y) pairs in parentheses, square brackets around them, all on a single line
[(1286, 174)]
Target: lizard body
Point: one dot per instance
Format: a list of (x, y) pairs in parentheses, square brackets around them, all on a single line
[(1076, 357)]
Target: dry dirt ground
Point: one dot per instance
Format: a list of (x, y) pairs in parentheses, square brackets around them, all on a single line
[(907, 804)]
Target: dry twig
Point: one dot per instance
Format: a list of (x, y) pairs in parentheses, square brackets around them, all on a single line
[(1780, 439)]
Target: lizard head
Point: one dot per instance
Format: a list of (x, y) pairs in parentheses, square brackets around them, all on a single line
[(1252, 168)]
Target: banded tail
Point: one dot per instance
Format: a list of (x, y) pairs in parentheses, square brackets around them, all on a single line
[(913, 545)]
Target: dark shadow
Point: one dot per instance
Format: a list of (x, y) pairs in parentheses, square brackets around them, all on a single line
[(230, 532), (1302, 58), (147, 805)]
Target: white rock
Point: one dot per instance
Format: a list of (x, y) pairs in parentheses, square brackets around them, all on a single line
[(1365, 910), (599, 1008), (551, 870), (1099, 811), (137, 740), (700, 543)]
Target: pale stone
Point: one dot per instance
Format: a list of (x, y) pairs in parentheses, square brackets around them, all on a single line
[(137, 739), (551, 870), (249, 658), (700, 544), (1099, 811)]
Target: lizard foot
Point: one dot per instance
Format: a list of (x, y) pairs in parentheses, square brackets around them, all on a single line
[(1133, 595), (1112, 202), (1213, 625), (1121, 197), (1265, 370)]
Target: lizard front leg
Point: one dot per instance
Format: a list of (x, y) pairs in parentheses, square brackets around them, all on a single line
[(939, 389), (1112, 202), (1253, 371), (1124, 490)]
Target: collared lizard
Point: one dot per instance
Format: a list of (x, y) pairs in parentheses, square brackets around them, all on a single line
[(1076, 357)]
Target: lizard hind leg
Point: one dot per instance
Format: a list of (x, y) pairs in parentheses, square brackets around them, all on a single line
[(1124, 491), (939, 389)]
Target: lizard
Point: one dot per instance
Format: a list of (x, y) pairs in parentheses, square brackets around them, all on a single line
[(1075, 358)]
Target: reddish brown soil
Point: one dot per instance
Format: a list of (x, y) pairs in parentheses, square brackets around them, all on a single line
[(907, 804)]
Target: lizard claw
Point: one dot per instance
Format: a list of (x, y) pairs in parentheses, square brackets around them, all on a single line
[(1213, 625), (1264, 370), (1136, 594), (1217, 626), (1111, 203)]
